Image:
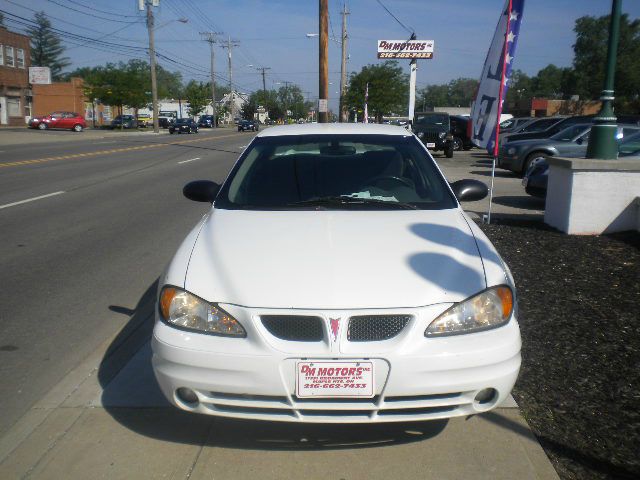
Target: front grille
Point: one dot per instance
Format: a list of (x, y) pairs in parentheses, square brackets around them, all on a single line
[(296, 328), (374, 328), (430, 137)]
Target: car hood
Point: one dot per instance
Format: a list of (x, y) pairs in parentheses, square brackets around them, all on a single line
[(335, 259)]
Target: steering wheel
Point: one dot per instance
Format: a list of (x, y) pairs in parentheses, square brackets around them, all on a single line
[(403, 181)]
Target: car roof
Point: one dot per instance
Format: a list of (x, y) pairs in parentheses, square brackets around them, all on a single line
[(334, 129)]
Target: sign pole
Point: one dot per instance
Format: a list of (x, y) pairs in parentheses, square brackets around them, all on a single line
[(496, 145), (412, 89)]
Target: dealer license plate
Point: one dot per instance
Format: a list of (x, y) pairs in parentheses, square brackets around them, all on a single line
[(334, 379), (431, 145)]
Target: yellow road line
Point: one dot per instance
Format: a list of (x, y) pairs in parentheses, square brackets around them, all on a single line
[(104, 152)]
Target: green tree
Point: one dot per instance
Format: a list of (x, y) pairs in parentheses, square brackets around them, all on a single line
[(197, 96), (46, 46), (432, 96), (291, 99), (388, 89), (248, 110), (590, 52), (548, 82)]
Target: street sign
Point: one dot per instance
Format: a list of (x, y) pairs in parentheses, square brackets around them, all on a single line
[(323, 105), (39, 75), (410, 49)]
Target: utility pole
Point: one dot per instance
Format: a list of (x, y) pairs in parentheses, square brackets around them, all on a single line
[(264, 82), (152, 58), (210, 37), (343, 68), (323, 83), (230, 44)]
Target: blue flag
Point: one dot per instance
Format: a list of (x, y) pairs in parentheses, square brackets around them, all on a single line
[(487, 106)]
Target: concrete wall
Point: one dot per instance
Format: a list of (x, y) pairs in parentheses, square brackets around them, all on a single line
[(65, 96), (590, 197)]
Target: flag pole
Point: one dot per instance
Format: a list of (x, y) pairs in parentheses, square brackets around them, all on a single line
[(500, 101)]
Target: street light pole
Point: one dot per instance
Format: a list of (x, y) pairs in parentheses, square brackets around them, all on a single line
[(323, 84), (602, 139), (152, 61)]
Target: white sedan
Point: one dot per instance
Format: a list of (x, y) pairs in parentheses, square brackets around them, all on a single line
[(336, 279)]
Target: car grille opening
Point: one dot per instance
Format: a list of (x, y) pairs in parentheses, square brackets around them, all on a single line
[(375, 328), (296, 328)]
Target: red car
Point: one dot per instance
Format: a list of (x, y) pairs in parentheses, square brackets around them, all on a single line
[(64, 120)]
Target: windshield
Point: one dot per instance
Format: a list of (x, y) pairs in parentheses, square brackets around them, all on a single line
[(182, 120), (570, 133), (432, 119), (362, 171), (539, 125)]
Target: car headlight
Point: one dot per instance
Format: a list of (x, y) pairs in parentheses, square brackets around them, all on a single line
[(442, 134), (182, 309), (488, 309), (511, 151)]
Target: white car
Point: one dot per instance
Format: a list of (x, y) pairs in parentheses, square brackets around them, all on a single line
[(336, 279)]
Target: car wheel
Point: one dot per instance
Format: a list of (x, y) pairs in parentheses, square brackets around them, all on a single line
[(42, 126), (77, 127), (448, 151), (457, 144), (532, 159)]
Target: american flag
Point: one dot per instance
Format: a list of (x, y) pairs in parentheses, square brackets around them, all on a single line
[(496, 73)]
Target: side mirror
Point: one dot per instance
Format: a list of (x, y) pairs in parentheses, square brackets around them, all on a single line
[(201, 191), (469, 190)]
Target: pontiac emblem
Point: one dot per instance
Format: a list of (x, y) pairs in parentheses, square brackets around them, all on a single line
[(334, 323)]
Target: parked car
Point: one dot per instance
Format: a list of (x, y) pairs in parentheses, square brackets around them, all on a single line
[(59, 120), (144, 120), (556, 124), (536, 177), (205, 121), (124, 121), (535, 125), (245, 125), (459, 130), (184, 125), (289, 302), (433, 129)]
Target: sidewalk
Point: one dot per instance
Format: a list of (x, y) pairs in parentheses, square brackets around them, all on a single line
[(108, 419)]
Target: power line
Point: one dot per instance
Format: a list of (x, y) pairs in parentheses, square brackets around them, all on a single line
[(93, 15), (410, 30), (102, 11)]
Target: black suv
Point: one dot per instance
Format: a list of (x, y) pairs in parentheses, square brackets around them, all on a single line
[(205, 121), (244, 125), (434, 129), (459, 130)]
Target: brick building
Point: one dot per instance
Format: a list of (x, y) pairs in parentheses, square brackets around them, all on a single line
[(65, 96), (15, 96)]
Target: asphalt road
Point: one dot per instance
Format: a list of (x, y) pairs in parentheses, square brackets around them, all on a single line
[(87, 225), (75, 261)]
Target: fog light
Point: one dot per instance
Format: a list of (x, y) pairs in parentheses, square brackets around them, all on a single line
[(486, 395), (187, 395)]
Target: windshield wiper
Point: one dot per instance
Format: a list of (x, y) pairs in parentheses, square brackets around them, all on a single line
[(336, 201)]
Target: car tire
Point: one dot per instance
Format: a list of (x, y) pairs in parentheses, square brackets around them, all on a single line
[(77, 128), (531, 159), (448, 151), (457, 144), (42, 126)]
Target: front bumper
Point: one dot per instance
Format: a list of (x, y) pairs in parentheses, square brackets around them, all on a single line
[(415, 378), (510, 162)]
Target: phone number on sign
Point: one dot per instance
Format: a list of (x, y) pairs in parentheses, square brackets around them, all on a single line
[(335, 385), (405, 55)]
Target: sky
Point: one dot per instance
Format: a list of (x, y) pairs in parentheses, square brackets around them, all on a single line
[(272, 33)]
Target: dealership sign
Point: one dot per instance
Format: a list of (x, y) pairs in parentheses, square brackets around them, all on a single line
[(405, 49), (39, 75)]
